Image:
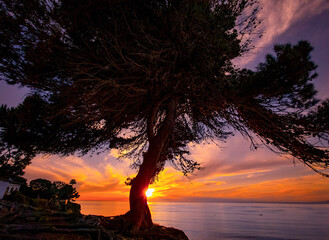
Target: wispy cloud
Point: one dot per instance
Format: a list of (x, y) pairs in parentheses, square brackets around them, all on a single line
[(99, 180), (235, 158), (279, 16), (233, 172), (306, 188)]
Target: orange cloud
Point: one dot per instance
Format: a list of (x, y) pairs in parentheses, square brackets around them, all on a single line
[(235, 158), (95, 181), (173, 186), (233, 172), (307, 188)]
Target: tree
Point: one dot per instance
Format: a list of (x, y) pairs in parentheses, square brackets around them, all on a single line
[(12, 166), (41, 188), (150, 77), (64, 191), (15, 151), (45, 189), (13, 162)]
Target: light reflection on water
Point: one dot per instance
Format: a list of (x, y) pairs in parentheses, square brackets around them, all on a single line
[(204, 220)]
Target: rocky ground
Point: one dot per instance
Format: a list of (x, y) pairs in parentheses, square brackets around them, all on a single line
[(24, 222)]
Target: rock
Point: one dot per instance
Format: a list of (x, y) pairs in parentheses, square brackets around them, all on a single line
[(28, 223), (3, 211)]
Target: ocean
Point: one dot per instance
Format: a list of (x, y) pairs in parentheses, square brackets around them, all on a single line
[(209, 220)]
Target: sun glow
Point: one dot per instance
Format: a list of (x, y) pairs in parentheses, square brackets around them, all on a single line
[(149, 192)]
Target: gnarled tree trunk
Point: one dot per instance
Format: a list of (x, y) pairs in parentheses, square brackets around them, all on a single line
[(139, 216)]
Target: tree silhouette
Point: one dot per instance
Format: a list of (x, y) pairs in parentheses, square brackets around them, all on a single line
[(149, 77), (64, 191), (45, 189), (12, 160), (41, 188)]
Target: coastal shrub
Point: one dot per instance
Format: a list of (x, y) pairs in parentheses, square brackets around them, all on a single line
[(73, 208)]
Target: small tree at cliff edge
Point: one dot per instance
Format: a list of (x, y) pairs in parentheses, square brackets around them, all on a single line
[(149, 77)]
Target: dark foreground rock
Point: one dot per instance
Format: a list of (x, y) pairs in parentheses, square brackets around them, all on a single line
[(24, 222)]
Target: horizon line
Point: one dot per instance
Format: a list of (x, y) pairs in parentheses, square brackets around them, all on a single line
[(215, 201)]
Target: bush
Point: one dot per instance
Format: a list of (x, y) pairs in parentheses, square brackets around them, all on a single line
[(73, 208), (18, 197)]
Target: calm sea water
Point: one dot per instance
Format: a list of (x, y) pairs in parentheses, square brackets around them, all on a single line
[(204, 220)]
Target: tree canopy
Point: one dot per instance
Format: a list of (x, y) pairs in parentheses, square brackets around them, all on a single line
[(57, 190), (150, 77), (102, 71)]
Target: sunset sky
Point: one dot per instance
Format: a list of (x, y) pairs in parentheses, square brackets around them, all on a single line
[(232, 172)]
